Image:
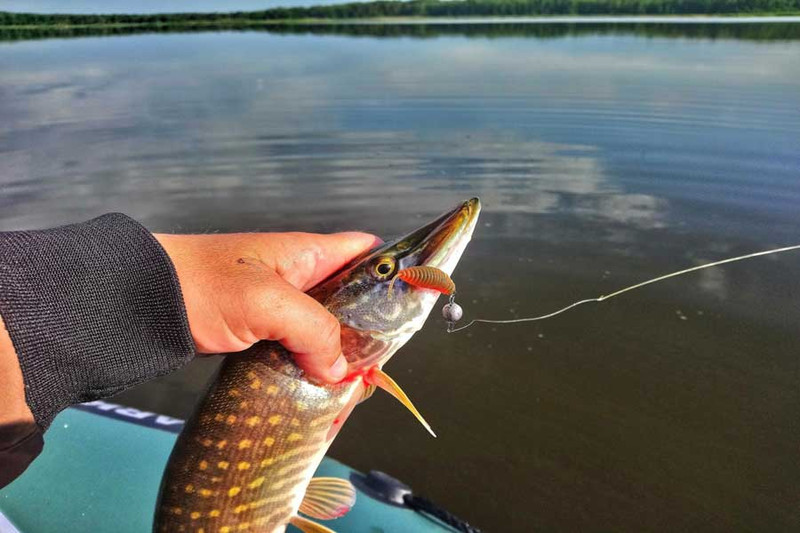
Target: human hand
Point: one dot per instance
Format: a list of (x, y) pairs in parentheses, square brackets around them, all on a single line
[(15, 412), (241, 288)]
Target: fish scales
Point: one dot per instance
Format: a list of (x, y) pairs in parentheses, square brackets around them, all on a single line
[(247, 454)]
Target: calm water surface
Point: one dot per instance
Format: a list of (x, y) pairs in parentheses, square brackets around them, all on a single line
[(602, 159)]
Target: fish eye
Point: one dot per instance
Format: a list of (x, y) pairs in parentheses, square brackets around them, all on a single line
[(384, 267)]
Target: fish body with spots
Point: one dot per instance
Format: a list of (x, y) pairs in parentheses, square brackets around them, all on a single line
[(246, 457)]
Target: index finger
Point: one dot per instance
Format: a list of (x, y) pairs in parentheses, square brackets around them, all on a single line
[(303, 326)]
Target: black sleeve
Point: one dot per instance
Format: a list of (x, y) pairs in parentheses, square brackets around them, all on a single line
[(91, 309), (16, 457)]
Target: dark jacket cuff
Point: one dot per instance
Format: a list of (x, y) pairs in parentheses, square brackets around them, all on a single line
[(92, 309)]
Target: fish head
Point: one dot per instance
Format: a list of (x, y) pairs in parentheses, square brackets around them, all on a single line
[(375, 323)]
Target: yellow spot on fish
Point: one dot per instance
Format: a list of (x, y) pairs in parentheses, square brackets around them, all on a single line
[(240, 509), (253, 421), (189, 488), (231, 419), (284, 481), (214, 513), (177, 510), (269, 441), (243, 465), (272, 390), (234, 393), (225, 529), (255, 384), (246, 443), (297, 451), (268, 461), (202, 465), (294, 436), (219, 417), (323, 420), (221, 444), (195, 515), (223, 465), (301, 405), (207, 442), (275, 420), (244, 404), (261, 503), (201, 530), (206, 493), (251, 375), (234, 491), (245, 526), (256, 483), (295, 422)]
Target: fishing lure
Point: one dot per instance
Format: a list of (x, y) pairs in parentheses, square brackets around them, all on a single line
[(424, 277), (452, 311)]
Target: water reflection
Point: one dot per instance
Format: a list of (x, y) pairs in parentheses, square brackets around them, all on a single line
[(533, 127)]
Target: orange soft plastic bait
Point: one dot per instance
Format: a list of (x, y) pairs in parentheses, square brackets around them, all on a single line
[(425, 277)]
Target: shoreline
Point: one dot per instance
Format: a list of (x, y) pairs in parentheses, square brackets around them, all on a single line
[(748, 18)]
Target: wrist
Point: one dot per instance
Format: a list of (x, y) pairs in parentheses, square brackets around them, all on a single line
[(15, 412)]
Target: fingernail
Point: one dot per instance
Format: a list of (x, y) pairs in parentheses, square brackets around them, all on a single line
[(339, 369)]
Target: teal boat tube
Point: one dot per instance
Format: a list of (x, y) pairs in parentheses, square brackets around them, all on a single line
[(102, 465)]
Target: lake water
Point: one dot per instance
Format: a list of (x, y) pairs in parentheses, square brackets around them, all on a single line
[(604, 155)]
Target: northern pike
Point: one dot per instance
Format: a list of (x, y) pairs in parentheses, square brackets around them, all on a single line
[(245, 459)]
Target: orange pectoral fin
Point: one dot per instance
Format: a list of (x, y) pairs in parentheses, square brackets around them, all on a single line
[(327, 498), (379, 378), (309, 526)]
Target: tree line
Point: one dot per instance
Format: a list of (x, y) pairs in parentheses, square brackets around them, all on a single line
[(749, 32), (420, 8)]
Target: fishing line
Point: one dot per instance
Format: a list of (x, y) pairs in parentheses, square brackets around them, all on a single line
[(452, 311)]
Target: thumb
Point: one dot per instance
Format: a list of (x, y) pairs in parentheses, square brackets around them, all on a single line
[(308, 258)]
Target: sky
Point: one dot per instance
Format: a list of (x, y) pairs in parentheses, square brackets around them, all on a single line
[(150, 6)]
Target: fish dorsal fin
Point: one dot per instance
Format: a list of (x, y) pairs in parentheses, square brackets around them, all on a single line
[(328, 497), (309, 526), (381, 379)]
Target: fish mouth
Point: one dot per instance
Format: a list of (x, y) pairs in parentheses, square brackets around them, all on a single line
[(439, 244), (375, 326)]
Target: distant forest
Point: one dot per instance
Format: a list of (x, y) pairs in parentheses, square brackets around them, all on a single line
[(418, 8), (783, 31)]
